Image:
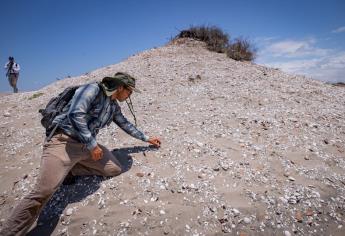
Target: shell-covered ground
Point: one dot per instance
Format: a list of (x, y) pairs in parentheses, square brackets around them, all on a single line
[(246, 150)]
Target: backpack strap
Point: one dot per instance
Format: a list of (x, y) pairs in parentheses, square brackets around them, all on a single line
[(52, 130), (49, 137), (9, 69)]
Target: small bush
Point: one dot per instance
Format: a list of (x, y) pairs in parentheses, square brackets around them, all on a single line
[(218, 41), (36, 95), (213, 36), (340, 84), (241, 50)]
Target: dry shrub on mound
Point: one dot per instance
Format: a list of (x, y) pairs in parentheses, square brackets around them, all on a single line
[(218, 41), (213, 36), (241, 50)]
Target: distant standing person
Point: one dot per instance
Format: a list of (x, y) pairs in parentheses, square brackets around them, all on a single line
[(12, 73)]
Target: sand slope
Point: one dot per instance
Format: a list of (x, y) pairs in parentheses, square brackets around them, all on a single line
[(247, 150)]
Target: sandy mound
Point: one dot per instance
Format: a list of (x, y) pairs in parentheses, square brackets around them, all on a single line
[(246, 150)]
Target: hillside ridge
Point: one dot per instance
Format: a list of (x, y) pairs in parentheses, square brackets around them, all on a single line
[(246, 150)]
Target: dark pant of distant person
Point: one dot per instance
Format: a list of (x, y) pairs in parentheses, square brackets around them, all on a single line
[(12, 79), (61, 155)]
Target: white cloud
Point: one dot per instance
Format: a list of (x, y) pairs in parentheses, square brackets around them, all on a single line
[(304, 57), (295, 66), (339, 30), (294, 48), (288, 47)]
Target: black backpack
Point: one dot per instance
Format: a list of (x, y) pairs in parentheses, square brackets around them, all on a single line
[(55, 107)]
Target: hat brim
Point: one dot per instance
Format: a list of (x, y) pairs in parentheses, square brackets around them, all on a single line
[(110, 92)]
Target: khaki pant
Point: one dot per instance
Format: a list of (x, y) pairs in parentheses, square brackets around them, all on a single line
[(60, 156), (12, 79)]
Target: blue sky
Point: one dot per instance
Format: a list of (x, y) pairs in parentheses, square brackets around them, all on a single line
[(55, 39)]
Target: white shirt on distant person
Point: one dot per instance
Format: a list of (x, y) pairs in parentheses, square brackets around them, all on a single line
[(15, 68)]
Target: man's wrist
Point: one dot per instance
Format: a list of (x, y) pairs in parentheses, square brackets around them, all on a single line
[(90, 146), (146, 138)]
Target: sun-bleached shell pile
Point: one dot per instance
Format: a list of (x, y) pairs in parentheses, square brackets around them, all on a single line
[(246, 150)]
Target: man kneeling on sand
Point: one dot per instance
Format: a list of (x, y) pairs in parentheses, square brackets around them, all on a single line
[(73, 149)]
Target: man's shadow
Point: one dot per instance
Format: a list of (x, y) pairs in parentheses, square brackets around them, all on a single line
[(84, 186)]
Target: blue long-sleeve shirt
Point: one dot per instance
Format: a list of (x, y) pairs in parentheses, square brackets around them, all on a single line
[(89, 111)]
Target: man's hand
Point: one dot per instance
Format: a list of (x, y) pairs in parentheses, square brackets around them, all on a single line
[(96, 153), (155, 141)]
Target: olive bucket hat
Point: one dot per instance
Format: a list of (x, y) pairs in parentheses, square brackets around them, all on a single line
[(110, 84)]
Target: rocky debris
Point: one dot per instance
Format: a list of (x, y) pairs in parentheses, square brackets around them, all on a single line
[(247, 150), (291, 178), (69, 211), (139, 174), (287, 233), (247, 220), (7, 114)]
